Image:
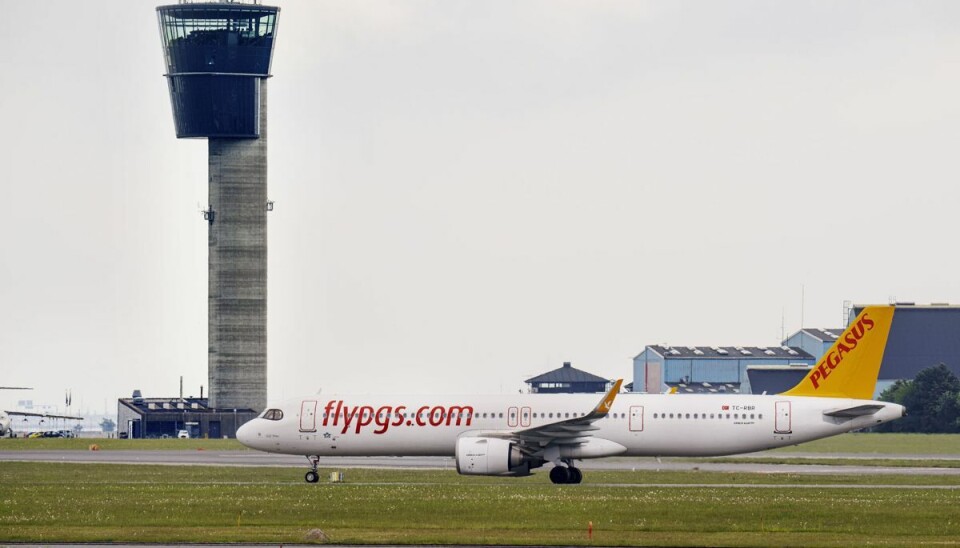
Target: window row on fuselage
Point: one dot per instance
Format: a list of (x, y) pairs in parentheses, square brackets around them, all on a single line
[(468, 415), (276, 414), (701, 416)]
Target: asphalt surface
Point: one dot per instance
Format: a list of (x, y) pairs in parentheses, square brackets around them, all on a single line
[(256, 458)]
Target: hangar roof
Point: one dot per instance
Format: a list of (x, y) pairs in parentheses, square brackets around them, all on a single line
[(825, 335), (154, 405), (567, 373), (730, 352)]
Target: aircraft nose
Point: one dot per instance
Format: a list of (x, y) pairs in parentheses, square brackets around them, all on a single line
[(246, 434)]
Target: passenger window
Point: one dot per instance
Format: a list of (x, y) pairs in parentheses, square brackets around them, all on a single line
[(760, 416), (688, 415), (751, 415), (671, 415), (695, 415)]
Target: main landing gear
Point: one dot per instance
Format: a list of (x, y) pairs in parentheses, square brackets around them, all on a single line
[(312, 476), (566, 474)]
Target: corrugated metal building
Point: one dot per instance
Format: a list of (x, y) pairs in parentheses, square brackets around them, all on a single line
[(920, 336), (724, 369), (813, 340), (139, 417)]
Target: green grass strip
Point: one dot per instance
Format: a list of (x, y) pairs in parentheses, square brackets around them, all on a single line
[(43, 503)]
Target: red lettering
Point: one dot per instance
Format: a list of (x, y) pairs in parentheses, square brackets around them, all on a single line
[(841, 350), (382, 419), (348, 418), (327, 410), (436, 416), (824, 372), (366, 417), (814, 378), (843, 346), (336, 414), (420, 412), (459, 413), (856, 330), (399, 411)]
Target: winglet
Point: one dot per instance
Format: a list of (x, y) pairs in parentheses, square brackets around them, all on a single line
[(606, 403)]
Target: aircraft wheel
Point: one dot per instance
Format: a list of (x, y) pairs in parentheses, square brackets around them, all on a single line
[(560, 474), (312, 477), (576, 476)]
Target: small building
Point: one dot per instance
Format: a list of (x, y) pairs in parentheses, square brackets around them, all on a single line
[(813, 340), (567, 380), (710, 369), (774, 379), (140, 417)]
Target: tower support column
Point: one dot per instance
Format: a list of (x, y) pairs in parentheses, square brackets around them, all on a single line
[(237, 314)]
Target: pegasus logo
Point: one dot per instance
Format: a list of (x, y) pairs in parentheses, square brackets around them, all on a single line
[(846, 344)]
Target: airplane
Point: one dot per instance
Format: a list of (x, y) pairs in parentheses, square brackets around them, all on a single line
[(510, 435), (6, 428)]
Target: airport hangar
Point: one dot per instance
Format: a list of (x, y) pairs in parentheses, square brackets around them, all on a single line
[(920, 336)]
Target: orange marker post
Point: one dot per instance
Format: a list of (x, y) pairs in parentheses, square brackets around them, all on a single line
[(590, 530)]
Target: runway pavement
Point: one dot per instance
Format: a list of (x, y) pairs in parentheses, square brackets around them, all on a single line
[(256, 458)]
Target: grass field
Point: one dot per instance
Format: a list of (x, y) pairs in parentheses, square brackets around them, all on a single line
[(42, 503)]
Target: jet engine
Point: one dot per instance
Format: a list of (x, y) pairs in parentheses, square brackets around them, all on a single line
[(491, 457)]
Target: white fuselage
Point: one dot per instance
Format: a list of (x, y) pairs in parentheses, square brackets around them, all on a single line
[(645, 424)]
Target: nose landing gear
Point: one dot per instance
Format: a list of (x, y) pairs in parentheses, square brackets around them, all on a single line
[(312, 476)]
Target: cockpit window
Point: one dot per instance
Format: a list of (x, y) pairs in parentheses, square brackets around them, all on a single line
[(273, 414)]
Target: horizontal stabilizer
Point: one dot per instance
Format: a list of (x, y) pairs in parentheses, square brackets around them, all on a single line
[(858, 411)]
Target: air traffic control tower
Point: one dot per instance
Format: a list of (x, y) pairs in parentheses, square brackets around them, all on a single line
[(218, 60)]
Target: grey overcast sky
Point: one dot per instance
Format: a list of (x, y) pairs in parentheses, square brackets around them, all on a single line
[(471, 192)]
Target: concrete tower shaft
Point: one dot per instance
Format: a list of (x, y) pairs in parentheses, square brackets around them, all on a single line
[(237, 283), (218, 57)]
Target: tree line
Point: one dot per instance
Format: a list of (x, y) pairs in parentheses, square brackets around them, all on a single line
[(932, 400)]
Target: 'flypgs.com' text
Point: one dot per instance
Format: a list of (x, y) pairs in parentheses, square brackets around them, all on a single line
[(337, 413)]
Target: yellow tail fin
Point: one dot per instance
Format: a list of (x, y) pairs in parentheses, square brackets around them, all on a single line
[(851, 367)]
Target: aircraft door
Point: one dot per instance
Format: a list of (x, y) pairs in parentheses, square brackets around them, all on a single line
[(783, 423), (636, 418), (308, 416), (512, 417), (525, 416)]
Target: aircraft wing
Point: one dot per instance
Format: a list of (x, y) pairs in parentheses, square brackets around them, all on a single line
[(856, 411), (42, 415), (566, 432)]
